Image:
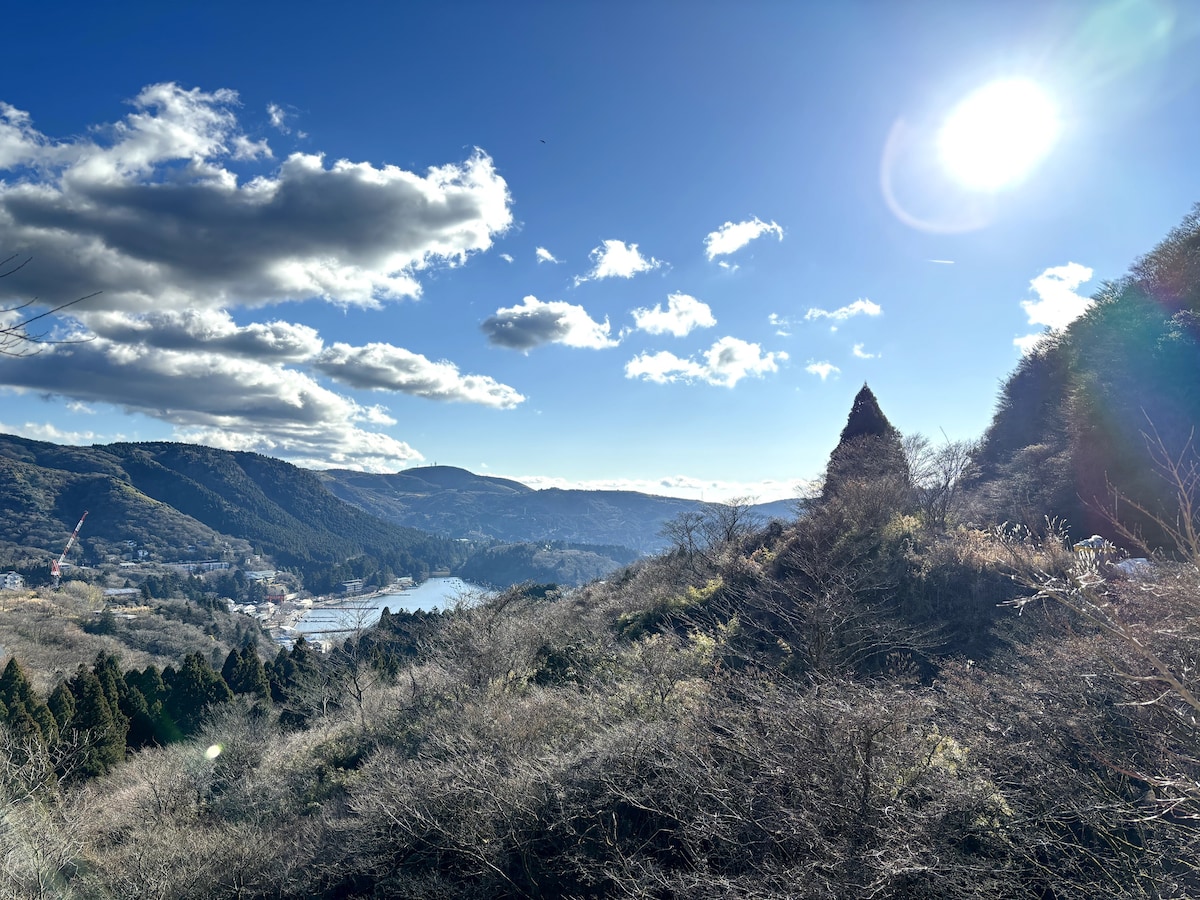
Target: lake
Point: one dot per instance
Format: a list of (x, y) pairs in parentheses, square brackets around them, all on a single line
[(362, 612)]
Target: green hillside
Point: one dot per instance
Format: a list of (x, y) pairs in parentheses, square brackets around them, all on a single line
[(184, 502)]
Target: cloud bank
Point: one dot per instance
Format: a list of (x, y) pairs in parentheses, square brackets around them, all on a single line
[(156, 217), (177, 217)]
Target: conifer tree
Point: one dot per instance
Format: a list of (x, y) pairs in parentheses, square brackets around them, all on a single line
[(94, 719), (869, 449), (27, 715)]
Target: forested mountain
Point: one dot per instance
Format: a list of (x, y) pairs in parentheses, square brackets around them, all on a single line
[(184, 502), (1082, 414), (453, 502)]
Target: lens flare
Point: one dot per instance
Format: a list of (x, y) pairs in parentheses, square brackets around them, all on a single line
[(213, 752), (998, 134)]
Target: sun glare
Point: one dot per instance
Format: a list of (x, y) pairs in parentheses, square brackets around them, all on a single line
[(996, 136)]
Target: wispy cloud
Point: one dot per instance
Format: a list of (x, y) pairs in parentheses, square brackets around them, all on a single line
[(863, 354), (857, 308), (822, 369), (733, 236), (535, 322), (544, 255), (683, 314), (616, 259), (942, 262), (781, 324), (727, 362)]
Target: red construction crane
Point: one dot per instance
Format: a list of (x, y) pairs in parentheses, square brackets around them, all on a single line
[(56, 566)]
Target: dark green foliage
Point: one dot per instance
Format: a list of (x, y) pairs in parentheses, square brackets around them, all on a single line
[(167, 497), (570, 565), (868, 453), (20, 709), (244, 673), (94, 717), (192, 692)]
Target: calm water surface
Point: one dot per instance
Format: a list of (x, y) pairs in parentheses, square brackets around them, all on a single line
[(362, 612)]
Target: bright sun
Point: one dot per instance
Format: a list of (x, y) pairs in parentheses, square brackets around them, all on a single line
[(995, 136)]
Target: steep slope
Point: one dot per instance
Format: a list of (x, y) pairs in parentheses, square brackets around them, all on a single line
[(178, 500), (1075, 416)]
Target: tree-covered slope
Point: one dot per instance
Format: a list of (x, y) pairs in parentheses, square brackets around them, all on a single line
[(1073, 421), (179, 499), (456, 503)]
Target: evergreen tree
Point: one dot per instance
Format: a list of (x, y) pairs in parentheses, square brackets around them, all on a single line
[(869, 450), (27, 715), (247, 675), (94, 719), (193, 690), (61, 704)]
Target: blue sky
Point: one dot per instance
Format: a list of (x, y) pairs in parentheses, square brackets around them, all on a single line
[(654, 245)]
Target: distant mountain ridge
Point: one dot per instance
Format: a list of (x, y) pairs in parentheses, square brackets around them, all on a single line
[(455, 503), (181, 501)]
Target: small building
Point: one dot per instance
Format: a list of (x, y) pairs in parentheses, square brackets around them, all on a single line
[(14, 581), (353, 586)]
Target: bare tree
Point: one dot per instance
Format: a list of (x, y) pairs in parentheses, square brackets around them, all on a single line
[(937, 473), (16, 339), (1180, 526)]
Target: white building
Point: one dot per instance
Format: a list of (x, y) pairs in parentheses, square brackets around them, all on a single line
[(14, 581)]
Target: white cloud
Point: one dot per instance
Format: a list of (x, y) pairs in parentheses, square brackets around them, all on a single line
[(731, 267), (683, 314), (781, 324), (616, 259), (857, 308), (822, 369), (212, 330), (147, 211), (1057, 305), (47, 432), (727, 362), (384, 367), (507, 257), (544, 255), (217, 399), (731, 237), (681, 486), (278, 116), (863, 354), (942, 262), (535, 322)]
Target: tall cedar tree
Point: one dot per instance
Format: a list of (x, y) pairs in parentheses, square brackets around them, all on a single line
[(869, 448)]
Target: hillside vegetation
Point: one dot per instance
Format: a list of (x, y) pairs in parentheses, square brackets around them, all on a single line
[(182, 502), (874, 700)]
